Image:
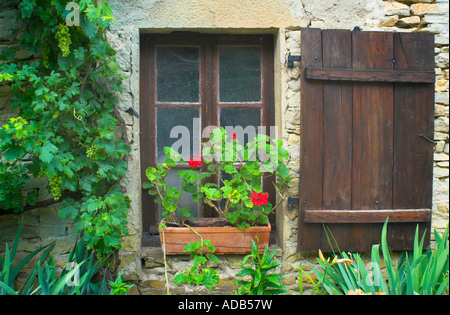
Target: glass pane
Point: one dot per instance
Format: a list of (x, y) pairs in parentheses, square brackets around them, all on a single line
[(178, 128), (240, 74), (177, 74), (173, 180), (244, 122)]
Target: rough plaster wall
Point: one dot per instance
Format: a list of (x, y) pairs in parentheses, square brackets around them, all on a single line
[(247, 13), (343, 14), (208, 13)]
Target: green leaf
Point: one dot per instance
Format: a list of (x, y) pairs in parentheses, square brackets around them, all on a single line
[(48, 151), (8, 289)]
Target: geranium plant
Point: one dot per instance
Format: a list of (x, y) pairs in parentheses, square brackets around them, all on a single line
[(227, 177)]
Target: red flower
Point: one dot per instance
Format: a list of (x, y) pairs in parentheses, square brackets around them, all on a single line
[(234, 136), (195, 163), (259, 199)]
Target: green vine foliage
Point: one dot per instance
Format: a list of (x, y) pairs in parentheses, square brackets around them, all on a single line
[(67, 124)]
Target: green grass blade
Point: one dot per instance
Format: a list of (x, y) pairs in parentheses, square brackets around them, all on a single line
[(392, 277), (59, 286), (7, 288), (16, 241), (44, 285), (19, 266)]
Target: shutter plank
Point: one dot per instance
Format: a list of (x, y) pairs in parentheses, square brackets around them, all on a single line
[(337, 147), (368, 216), (413, 155), (372, 134), (311, 146), (334, 74)]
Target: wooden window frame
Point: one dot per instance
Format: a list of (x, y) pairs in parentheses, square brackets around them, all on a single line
[(209, 103)]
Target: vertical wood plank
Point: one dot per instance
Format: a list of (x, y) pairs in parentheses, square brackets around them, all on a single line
[(337, 126), (413, 155), (147, 127), (372, 134), (311, 146)]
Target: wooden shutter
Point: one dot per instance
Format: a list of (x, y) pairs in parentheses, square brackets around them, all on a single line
[(367, 117)]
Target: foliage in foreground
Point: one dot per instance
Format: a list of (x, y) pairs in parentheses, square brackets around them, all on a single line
[(417, 272), (239, 197), (77, 277), (200, 274), (65, 96), (260, 269)]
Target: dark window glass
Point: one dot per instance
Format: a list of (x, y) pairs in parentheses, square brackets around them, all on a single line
[(240, 74), (178, 74), (176, 129)]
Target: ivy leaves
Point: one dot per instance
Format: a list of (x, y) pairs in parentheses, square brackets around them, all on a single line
[(67, 129)]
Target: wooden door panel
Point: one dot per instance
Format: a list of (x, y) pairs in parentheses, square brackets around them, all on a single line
[(366, 99)]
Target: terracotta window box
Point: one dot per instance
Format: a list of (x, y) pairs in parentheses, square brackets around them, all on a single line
[(226, 239)]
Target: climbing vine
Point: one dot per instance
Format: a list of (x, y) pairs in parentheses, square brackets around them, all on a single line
[(67, 128)]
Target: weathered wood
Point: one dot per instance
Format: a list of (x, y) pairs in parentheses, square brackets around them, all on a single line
[(362, 159), (311, 146), (337, 129), (368, 216), (335, 74), (372, 134), (414, 115)]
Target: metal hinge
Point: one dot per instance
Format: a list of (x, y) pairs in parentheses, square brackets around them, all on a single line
[(292, 59)]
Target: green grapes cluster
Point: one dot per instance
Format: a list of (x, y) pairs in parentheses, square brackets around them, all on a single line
[(42, 173), (63, 37), (45, 47), (91, 153), (55, 187)]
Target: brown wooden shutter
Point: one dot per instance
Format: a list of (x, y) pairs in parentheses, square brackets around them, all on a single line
[(367, 117)]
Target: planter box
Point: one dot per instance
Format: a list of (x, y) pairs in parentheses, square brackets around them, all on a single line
[(226, 239)]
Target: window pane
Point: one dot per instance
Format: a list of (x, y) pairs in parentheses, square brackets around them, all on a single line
[(240, 74), (173, 180), (176, 129), (242, 121), (177, 74)]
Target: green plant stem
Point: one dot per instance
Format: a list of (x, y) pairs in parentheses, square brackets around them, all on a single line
[(323, 279), (165, 262)]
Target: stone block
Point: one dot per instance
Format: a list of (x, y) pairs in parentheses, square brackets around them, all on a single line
[(426, 8), (409, 21), (51, 231), (439, 110), (442, 60), (441, 98), (436, 18), (441, 125), (440, 172), (50, 216), (440, 157), (396, 8), (442, 85), (389, 21)]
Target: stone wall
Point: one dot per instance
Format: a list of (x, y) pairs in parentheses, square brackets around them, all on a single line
[(430, 16), (282, 18)]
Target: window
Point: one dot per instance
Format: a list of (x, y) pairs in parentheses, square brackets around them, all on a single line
[(189, 82)]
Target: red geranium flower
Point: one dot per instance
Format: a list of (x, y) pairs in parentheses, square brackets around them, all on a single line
[(195, 163), (234, 136), (259, 199)]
